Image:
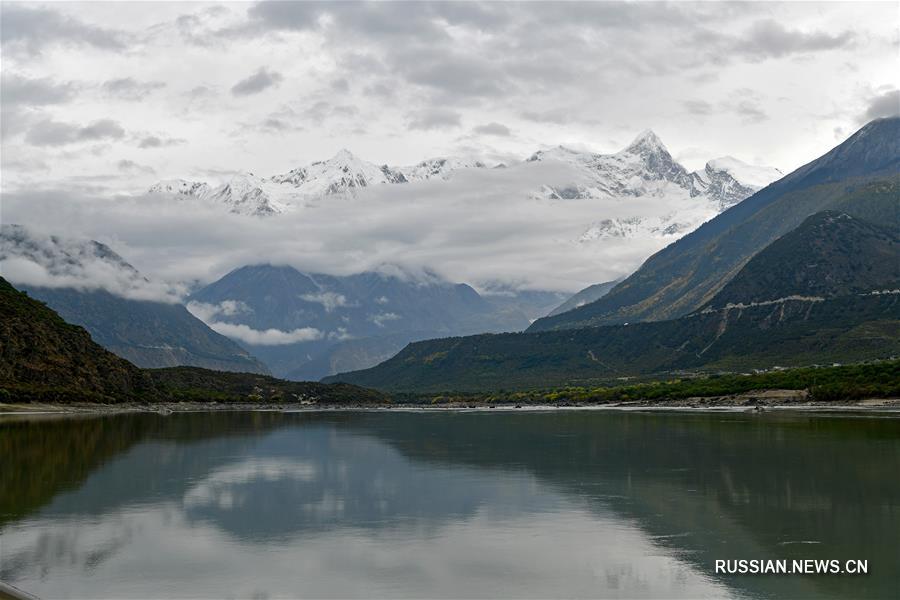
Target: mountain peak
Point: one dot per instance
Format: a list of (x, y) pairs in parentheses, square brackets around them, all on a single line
[(646, 140)]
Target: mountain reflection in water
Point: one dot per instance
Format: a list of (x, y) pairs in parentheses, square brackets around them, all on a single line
[(582, 503)]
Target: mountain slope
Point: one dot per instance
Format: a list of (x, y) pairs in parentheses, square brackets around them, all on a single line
[(788, 333), (589, 294), (142, 321), (687, 273), (39, 350), (149, 334), (829, 254)]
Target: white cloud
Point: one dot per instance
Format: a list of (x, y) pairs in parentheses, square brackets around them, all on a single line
[(266, 337), (329, 300), (341, 334), (208, 312), (30, 258), (381, 318)]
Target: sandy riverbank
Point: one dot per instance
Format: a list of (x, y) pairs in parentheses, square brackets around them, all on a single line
[(752, 401)]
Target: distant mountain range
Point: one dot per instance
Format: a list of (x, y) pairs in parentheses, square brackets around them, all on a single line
[(307, 325), (132, 322), (643, 169), (829, 314), (823, 289), (689, 272), (344, 173)]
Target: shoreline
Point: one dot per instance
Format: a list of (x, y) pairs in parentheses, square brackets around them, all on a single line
[(765, 401)]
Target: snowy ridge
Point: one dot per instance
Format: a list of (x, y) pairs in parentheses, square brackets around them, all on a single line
[(342, 175), (681, 200), (646, 169)]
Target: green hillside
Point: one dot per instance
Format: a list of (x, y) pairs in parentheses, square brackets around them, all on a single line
[(789, 333), (42, 354), (148, 334), (830, 254)]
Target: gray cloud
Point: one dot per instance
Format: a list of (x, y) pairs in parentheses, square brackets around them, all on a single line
[(56, 133), (882, 105), (284, 15), (434, 118), (152, 141), (129, 166), (452, 74), (340, 85), (16, 89), (257, 82), (494, 128), (322, 110), (750, 111), (770, 39), (698, 107), (27, 29), (127, 88)]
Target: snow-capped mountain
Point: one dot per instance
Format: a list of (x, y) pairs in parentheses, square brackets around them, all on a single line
[(181, 187), (343, 174), (439, 167), (645, 169)]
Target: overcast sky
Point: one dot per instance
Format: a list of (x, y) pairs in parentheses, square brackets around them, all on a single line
[(120, 94), (105, 98)]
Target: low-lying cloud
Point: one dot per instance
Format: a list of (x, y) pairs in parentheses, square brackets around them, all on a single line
[(212, 313), (266, 337), (29, 258), (481, 225), (328, 300)]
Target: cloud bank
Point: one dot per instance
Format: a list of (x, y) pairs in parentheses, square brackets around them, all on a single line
[(482, 225), (30, 258)]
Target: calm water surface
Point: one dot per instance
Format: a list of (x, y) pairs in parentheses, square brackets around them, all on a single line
[(486, 504)]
